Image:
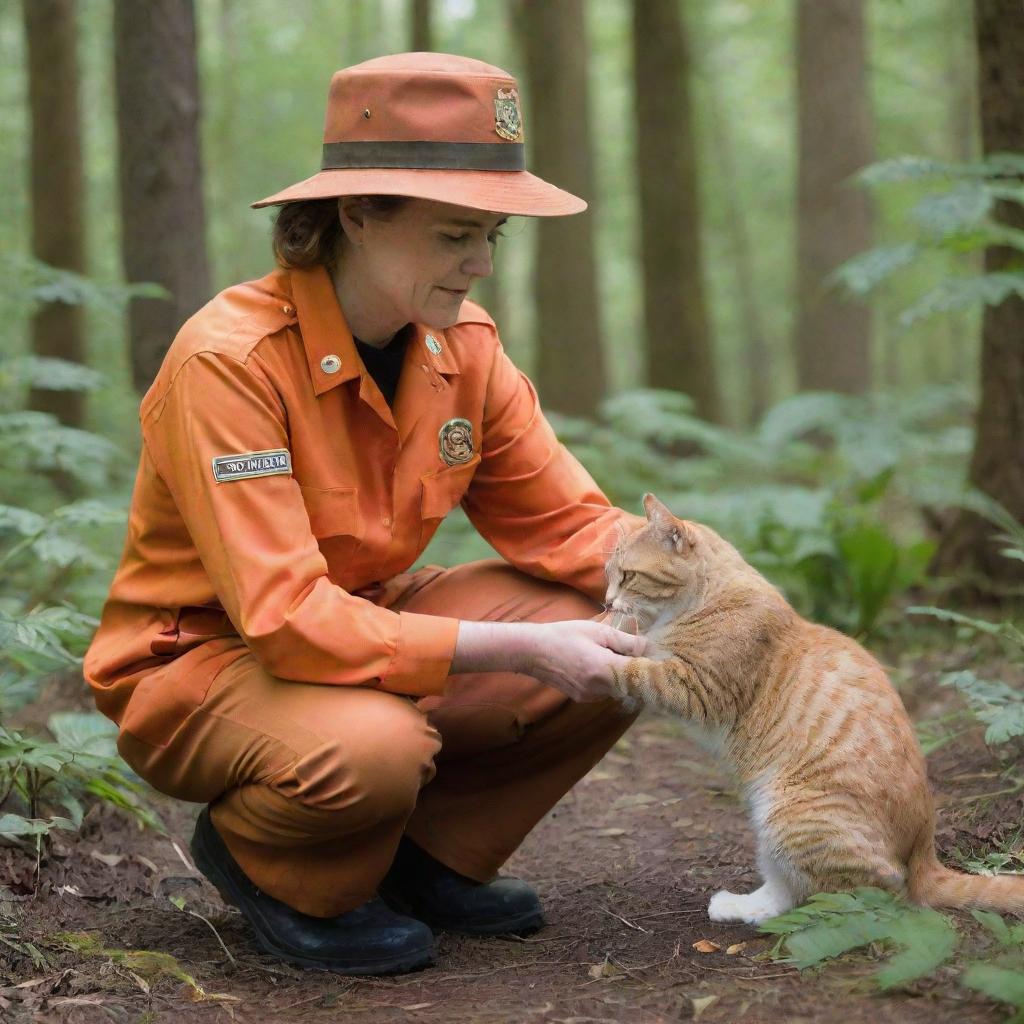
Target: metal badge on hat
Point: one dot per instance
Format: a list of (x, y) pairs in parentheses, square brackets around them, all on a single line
[(508, 122), (455, 442)]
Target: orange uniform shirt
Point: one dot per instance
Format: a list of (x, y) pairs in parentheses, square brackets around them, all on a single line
[(349, 492)]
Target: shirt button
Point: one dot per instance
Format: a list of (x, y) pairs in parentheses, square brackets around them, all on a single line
[(386, 520), (287, 310), (330, 364)]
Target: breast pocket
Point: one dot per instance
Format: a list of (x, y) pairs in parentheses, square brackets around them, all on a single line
[(442, 491), (334, 513)]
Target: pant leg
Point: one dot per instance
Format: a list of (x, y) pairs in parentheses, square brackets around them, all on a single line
[(310, 786), (511, 746)]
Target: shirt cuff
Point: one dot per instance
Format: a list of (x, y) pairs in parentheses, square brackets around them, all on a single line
[(423, 654)]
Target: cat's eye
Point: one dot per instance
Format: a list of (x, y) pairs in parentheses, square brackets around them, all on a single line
[(628, 576)]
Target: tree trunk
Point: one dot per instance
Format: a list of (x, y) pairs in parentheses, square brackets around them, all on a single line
[(678, 332), (58, 189), (833, 335), (997, 464), (162, 212), (420, 21), (570, 361), (755, 342)]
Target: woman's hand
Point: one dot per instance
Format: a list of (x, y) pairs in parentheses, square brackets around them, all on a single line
[(578, 657)]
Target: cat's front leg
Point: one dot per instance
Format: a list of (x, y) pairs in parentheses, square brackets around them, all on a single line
[(675, 684)]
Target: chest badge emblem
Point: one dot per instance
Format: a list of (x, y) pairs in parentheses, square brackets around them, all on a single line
[(455, 442)]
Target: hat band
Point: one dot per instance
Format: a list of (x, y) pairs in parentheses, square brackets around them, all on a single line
[(465, 156)]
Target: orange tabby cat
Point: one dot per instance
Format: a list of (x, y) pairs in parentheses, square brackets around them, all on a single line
[(823, 749)]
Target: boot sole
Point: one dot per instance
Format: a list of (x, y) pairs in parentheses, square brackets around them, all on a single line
[(229, 892)]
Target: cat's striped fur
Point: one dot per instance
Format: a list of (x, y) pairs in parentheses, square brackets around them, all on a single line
[(820, 741)]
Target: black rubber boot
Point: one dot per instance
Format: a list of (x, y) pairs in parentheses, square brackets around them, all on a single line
[(372, 939), (419, 885)]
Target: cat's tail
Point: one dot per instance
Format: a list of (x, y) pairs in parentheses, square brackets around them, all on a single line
[(933, 885)]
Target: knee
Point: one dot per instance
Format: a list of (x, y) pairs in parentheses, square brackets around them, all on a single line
[(375, 771)]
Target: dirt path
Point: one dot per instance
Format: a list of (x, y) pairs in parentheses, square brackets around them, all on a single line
[(625, 866)]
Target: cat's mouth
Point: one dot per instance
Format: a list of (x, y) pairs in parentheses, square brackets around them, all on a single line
[(627, 621)]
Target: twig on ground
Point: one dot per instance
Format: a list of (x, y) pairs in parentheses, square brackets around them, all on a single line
[(209, 924), (987, 796), (628, 924), (184, 860), (503, 967), (669, 913), (320, 995)]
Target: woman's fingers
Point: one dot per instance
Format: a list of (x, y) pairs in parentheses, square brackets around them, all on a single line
[(626, 644)]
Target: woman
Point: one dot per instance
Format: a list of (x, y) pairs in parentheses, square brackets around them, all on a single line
[(360, 731)]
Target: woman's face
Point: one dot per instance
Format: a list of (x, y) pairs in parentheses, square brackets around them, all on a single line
[(421, 259)]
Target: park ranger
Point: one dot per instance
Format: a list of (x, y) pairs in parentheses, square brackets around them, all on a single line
[(372, 743)]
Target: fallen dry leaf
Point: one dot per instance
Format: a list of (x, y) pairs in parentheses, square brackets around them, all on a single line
[(701, 1004), (632, 800), (110, 859), (604, 970), (610, 832), (736, 947), (416, 1006), (706, 946)]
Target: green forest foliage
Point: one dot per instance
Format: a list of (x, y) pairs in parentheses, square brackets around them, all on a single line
[(828, 495)]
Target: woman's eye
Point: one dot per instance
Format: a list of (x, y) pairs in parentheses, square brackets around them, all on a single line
[(455, 238), (493, 237)]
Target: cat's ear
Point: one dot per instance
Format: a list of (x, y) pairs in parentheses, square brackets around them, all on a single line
[(681, 536), (656, 512), (677, 534)]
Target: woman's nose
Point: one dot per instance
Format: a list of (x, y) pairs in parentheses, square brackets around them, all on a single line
[(478, 263)]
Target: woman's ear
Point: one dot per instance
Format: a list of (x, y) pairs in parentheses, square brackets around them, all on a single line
[(352, 216)]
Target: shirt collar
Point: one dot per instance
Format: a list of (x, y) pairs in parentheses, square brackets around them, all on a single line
[(325, 334)]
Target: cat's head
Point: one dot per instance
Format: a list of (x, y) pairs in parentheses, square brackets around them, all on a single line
[(662, 567)]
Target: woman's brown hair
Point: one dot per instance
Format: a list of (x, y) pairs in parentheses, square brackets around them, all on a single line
[(306, 233)]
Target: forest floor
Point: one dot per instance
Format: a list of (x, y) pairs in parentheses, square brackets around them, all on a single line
[(625, 866)]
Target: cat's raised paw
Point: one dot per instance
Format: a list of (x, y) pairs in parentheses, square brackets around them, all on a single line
[(752, 908)]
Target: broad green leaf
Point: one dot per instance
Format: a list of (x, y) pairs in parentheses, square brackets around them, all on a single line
[(86, 732), (928, 939), (998, 983)]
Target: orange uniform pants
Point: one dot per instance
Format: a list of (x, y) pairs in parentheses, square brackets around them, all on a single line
[(312, 786)]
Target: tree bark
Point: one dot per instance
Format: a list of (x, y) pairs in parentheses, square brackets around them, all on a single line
[(679, 348), (421, 28), (755, 340), (833, 336), (162, 211), (570, 366), (58, 188), (997, 463)]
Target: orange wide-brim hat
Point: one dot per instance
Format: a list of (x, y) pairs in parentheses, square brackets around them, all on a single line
[(429, 126)]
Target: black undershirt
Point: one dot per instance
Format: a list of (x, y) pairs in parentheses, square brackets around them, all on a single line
[(384, 365)]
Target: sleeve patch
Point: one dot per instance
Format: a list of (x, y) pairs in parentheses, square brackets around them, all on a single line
[(247, 464)]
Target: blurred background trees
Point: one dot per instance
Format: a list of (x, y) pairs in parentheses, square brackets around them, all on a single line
[(741, 265)]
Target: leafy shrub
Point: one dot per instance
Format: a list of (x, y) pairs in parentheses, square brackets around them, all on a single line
[(54, 561), (831, 924), (996, 704), (44, 776), (957, 217)]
